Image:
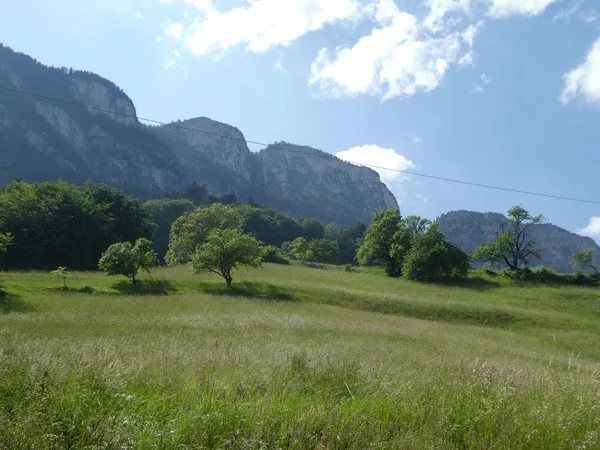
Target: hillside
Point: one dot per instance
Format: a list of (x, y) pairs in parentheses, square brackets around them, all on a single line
[(43, 140), (296, 358), (469, 229)]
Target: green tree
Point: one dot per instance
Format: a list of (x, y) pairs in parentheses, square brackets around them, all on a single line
[(333, 231), (300, 249), (5, 241), (431, 257), (63, 274), (225, 250), (513, 245), (58, 224), (273, 255), (583, 260), (164, 212), (324, 251), (126, 259), (312, 229), (380, 245), (192, 229), (415, 225)]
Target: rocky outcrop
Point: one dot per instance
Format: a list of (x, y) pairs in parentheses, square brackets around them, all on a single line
[(469, 229), (300, 180), (213, 154), (45, 140)]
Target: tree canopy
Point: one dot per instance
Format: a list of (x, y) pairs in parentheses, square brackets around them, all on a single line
[(191, 230), (380, 246), (226, 250), (513, 245), (58, 224), (164, 212), (127, 259), (431, 257), (584, 260)]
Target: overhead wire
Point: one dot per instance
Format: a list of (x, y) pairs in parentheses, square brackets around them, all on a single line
[(298, 150)]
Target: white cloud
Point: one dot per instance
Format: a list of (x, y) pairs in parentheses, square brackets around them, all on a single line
[(478, 88), (174, 30), (579, 10), (138, 15), (262, 24), (508, 8), (592, 229), (378, 156), (394, 60), (584, 80), (279, 66), (404, 52), (417, 140)]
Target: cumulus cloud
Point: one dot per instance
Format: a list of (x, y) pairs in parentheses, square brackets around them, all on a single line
[(592, 229), (584, 80), (403, 51), (508, 8), (378, 156), (262, 24), (393, 60)]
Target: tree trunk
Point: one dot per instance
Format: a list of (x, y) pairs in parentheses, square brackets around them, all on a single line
[(228, 279)]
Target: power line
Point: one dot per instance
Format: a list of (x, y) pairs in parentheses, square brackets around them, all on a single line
[(246, 141)]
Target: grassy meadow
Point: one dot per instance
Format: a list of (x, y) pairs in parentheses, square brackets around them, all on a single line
[(297, 357)]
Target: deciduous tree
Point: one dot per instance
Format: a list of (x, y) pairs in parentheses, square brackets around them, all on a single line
[(513, 245), (191, 230), (126, 259), (226, 250)]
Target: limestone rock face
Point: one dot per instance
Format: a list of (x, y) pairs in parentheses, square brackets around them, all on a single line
[(301, 180), (213, 154), (43, 140), (469, 229)]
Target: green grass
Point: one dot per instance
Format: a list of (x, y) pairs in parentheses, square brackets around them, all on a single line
[(297, 357)]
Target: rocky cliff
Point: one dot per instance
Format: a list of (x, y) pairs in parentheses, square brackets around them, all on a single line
[(41, 139), (296, 178), (469, 229)]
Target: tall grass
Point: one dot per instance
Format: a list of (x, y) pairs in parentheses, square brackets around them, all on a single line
[(297, 358)]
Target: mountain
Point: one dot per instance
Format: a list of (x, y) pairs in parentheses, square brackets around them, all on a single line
[(469, 229), (42, 139)]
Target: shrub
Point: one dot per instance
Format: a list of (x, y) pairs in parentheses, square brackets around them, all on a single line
[(275, 256), (126, 259), (432, 258), (348, 268)]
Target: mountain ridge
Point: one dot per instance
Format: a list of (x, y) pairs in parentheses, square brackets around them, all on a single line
[(42, 140), (469, 229)]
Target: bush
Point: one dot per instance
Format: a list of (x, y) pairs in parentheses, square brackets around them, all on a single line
[(348, 268), (432, 258), (273, 255), (548, 275), (124, 258)]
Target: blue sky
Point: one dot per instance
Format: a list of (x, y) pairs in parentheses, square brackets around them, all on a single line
[(500, 92)]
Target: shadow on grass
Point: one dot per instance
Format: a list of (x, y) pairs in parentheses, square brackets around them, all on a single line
[(145, 287), (10, 303), (474, 283), (262, 291)]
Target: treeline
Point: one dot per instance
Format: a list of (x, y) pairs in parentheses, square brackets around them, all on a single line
[(58, 224), (46, 225), (267, 225), (50, 225)]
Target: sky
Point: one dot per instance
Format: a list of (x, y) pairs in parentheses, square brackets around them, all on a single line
[(496, 92)]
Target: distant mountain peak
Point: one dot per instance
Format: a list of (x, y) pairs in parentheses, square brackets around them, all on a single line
[(469, 229)]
